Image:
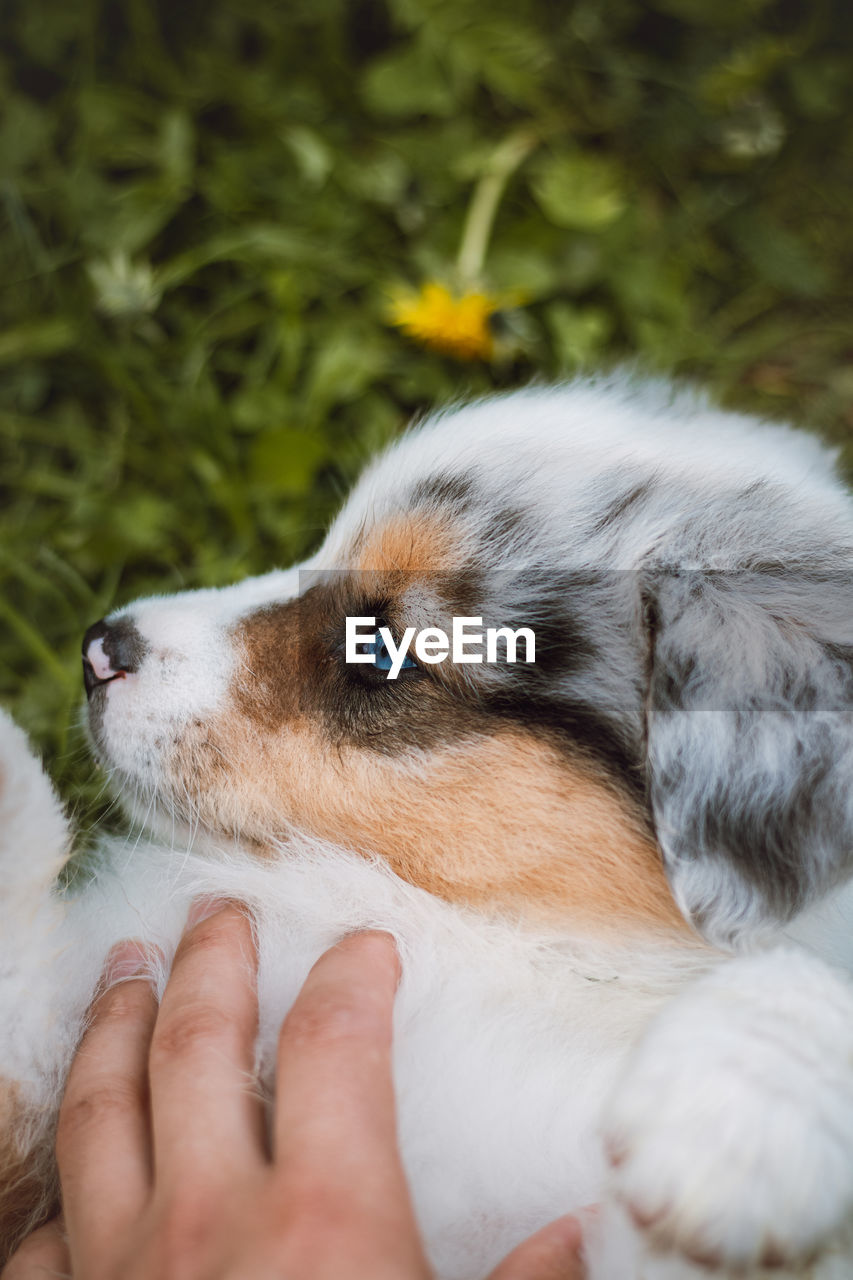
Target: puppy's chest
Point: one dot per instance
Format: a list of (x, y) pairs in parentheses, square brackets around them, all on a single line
[(504, 1059), (506, 1045)]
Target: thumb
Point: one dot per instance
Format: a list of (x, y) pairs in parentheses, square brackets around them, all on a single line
[(554, 1253)]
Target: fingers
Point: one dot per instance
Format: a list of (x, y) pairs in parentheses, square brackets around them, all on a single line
[(43, 1256), (554, 1253), (335, 1130), (206, 1118), (337, 1197), (102, 1142)]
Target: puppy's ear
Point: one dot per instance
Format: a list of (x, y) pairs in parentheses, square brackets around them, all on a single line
[(750, 741)]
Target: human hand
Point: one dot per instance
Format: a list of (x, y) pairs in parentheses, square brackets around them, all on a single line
[(162, 1156)]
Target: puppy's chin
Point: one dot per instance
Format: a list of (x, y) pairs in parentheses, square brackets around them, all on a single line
[(158, 820)]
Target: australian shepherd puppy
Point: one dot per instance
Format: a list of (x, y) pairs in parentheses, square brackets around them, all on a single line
[(615, 873)]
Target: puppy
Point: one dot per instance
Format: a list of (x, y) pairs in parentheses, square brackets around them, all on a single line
[(616, 873)]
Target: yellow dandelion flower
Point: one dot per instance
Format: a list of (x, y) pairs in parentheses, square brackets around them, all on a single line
[(455, 324)]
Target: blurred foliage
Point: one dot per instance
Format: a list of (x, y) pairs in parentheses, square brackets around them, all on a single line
[(206, 207)]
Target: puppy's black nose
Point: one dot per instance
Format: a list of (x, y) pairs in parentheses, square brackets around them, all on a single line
[(110, 650)]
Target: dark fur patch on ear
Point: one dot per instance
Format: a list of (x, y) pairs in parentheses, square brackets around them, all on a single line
[(766, 840), (750, 743)]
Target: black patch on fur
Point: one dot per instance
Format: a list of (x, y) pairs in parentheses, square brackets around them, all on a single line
[(535, 696), (506, 524), (757, 486), (298, 659), (442, 490), (562, 645), (766, 842), (670, 682), (634, 497), (460, 594)]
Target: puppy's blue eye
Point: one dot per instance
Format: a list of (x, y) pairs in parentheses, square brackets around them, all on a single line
[(383, 657)]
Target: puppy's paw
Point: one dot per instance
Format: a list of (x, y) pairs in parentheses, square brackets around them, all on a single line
[(731, 1132), (34, 834)]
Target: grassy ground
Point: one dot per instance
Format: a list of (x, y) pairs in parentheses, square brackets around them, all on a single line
[(209, 207)]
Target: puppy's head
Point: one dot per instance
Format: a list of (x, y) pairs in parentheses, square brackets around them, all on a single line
[(676, 740)]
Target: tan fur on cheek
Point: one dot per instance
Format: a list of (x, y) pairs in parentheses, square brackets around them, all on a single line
[(506, 821), (503, 821)]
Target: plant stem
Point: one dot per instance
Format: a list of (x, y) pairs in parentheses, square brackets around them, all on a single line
[(484, 205)]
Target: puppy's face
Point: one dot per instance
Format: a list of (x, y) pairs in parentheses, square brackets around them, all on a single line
[(524, 787), (238, 714)]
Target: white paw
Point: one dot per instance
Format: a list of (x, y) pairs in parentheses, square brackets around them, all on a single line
[(34, 834), (731, 1132)]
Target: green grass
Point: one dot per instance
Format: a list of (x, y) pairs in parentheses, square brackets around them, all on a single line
[(206, 206)]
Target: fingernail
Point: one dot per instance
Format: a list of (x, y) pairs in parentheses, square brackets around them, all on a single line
[(203, 908), (128, 959), (376, 940)]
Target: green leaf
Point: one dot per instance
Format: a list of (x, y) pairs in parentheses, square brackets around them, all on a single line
[(345, 365), (177, 148), (578, 191), (779, 255), (25, 131), (141, 521), (745, 70), (313, 155), (260, 408), (36, 339), (409, 82), (259, 242), (580, 334)]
